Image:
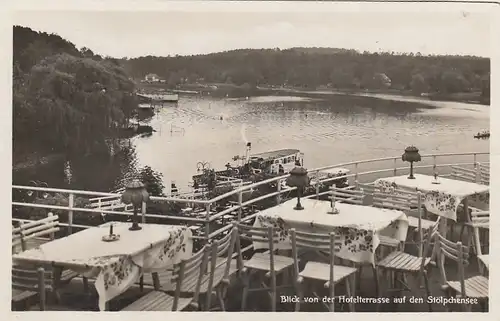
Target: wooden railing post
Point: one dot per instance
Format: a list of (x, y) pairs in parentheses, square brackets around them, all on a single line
[(434, 161), (355, 171), (477, 167), (143, 210), (317, 185), (475, 159), (52, 235), (240, 202), (71, 201), (278, 197), (207, 223), (395, 167)]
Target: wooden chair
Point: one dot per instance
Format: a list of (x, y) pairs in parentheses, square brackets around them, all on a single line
[(268, 262), (399, 263), (349, 196), (480, 222), (408, 202), (35, 233), (188, 273), (472, 287), (330, 273), (30, 283), (463, 174), (223, 266)]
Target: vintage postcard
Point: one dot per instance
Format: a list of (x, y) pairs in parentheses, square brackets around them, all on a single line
[(251, 157)]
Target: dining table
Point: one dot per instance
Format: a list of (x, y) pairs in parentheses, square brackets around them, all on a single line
[(359, 226), (113, 254), (442, 196)]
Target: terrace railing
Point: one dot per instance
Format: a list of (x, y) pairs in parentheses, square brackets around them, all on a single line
[(376, 168)]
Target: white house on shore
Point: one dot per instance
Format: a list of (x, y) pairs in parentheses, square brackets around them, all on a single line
[(151, 78)]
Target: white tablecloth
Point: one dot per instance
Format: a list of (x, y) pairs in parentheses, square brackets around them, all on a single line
[(441, 199), (359, 226), (119, 264)]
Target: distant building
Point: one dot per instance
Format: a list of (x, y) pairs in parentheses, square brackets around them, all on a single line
[(152, 78)]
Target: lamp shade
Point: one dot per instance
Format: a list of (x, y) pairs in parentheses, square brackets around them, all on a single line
[(298, 178), (135, 193), (411, 155)]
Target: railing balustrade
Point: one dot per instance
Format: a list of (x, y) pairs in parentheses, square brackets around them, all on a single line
[(208, 218)]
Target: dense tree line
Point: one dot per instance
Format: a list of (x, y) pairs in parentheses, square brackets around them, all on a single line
[(314, 67), (65, 99)]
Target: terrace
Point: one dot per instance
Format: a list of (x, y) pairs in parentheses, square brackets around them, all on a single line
[(218, 224)]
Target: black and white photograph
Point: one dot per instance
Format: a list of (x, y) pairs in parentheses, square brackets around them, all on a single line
[(251, 157)]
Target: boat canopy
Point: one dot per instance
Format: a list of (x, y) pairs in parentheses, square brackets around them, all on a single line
[(275, 154)]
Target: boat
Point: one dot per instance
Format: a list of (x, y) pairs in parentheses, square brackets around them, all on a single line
[(261, 166), (148, 101), (249, 166), (484, 134)]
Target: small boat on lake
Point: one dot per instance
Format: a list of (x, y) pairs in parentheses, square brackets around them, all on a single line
[(148, 101), (484, 134)]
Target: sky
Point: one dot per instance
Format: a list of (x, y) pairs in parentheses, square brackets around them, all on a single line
[(187, 32)]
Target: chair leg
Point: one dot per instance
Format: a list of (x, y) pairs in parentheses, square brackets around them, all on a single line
[(85, 285), (349, 292), (358, 278), (375, 276), (427, 288), (300, 293), (273, 293), (220, 296), (246, 285)]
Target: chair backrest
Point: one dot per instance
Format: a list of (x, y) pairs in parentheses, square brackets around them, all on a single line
[(480, 219), (464, 174), (484, 173), (456, 252), (330, 243), (188, 273), (399, 199), (30, 278), (267, 235), (426, 237), (367, 188), (350, 196), (36, 229), (222, 248)]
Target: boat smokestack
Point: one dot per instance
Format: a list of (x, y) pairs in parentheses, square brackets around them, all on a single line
[(247, 153)]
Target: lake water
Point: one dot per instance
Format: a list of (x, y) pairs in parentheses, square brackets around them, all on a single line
[(328, 130), (338, 129)]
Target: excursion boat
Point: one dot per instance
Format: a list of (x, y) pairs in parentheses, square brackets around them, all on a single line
[(247, 167)]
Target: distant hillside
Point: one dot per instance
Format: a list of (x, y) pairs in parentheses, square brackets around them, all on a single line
[(319, 67)]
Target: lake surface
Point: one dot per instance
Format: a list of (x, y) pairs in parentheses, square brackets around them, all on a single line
[(328, 129)]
